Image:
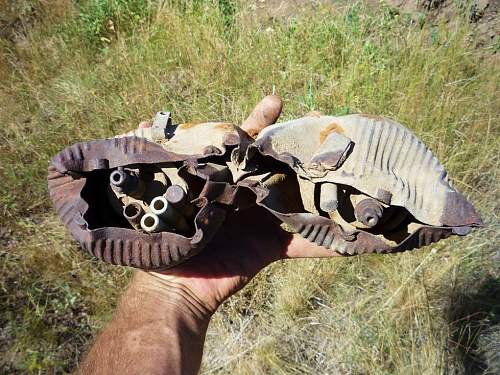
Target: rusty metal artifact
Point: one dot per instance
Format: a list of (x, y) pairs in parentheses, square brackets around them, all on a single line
[(354, 184)]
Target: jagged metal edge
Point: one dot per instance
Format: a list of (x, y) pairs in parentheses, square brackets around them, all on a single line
[(122, 246)]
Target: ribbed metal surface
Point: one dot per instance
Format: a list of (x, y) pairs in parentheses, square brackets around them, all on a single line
[(115, 245), (401, 164), (327, 233), (387, 161)]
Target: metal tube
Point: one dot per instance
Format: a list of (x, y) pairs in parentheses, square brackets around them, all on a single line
[(160, 206), (126, 182), (328, 198), (369, 212), (165, 210), (176, 196), (133, 212), (152, 223)]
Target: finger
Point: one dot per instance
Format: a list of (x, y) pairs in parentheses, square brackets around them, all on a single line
[(265, 113), (299, 247)]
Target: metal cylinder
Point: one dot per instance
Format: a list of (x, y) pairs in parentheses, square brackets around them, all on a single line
[(152, 223), (133, 212), (126, 182), (177, 197), (328, 198), (165, 210), (369, 212)]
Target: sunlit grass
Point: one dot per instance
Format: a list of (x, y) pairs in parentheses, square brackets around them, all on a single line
[(84, 77)]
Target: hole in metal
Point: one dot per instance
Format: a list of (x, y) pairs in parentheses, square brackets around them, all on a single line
[(158, 205), (149, 221), (131, 210)]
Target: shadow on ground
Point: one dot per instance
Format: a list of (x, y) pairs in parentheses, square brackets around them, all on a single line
[(475, 322)]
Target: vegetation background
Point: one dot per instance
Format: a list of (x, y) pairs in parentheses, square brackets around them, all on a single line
[(80, 70)]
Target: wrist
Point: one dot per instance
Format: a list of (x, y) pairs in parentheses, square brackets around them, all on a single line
[(166, 299), (158, 328)]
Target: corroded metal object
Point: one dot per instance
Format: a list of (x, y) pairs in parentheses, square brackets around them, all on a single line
[(380, 188), (354, 184)]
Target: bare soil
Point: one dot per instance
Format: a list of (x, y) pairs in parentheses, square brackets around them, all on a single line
[(482, 14)]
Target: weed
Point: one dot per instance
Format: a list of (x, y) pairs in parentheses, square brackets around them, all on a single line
[(100, 21), (82, 77)]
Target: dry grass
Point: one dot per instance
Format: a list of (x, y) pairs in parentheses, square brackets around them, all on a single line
[(72, 75)]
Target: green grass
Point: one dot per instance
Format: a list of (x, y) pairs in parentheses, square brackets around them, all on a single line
[(96, 68)]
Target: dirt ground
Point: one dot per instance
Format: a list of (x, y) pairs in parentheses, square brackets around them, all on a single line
[(482, 14)]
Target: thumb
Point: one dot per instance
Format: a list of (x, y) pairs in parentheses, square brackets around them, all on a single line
[(265, 113)]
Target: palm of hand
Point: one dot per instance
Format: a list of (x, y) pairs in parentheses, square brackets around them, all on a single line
[(248, 241)]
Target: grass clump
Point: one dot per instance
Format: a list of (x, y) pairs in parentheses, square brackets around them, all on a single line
[(100, 20), (102, 66)]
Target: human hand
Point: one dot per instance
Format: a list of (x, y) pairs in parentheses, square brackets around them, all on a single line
[(160, 324), (247, 242)]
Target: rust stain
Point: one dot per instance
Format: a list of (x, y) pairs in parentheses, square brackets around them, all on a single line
[(253, 133), (224, 126), (372, 117), (189, 125), (333, 127)]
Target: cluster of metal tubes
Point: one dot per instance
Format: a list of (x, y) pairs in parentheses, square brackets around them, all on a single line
[(163, 216), (168, 212)]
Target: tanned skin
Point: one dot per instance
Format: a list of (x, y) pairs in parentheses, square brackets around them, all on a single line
[(160, 324)]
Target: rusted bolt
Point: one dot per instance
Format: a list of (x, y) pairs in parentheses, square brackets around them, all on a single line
[(369, 212)]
